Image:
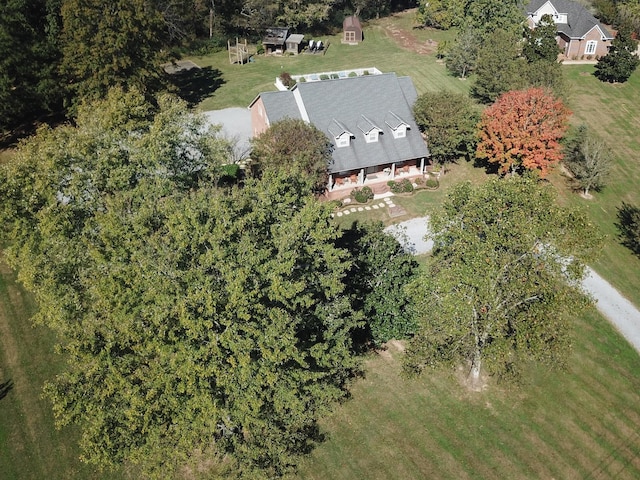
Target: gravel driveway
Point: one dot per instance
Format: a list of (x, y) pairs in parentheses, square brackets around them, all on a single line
[(617, 309)]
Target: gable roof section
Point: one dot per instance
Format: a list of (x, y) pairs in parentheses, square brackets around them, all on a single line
[(351, 22), (394, 121), (580, 20), (295, 38), (337, 128), (280, 105), (371, 97)]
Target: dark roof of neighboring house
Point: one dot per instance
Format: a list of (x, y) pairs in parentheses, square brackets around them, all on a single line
[(351, 22), (354, 105), (580, 20), (275, 35)]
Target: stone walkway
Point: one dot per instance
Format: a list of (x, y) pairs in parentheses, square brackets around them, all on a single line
[(385, 201)]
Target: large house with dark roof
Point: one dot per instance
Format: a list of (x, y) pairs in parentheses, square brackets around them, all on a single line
[(580, 34), (369, 120)]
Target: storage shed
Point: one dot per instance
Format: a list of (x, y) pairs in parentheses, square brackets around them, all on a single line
[(274, 39), (293, 43), (352, 30)]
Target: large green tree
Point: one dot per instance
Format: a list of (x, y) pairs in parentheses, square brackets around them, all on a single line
[(540, 42), (108, 44), (29, 55), (499, 67), (295, 146), (502, 286), (377, 276), (449, 121), (194, 321), (621, 61), (487, 16)]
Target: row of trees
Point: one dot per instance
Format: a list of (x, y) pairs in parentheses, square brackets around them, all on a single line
[(54, 53)]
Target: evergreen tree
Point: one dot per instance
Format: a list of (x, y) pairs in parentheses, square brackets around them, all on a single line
[(621, 61), (540, 42)]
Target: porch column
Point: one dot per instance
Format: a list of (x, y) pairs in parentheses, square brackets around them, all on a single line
[(330, 185), (361, 177), (393, 170), (422, 165)]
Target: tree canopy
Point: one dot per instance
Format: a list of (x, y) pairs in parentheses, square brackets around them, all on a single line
[(378, 274), (522, 131), (499, 66), (621, 61), (111, 44), (449, 121), (295, 146), (29, 55), (502, 286), (540, 42), (193, 319), (587, 158)]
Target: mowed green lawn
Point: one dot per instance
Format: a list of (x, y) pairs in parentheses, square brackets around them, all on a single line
[(583, 423), (242, 83), (30, 446), (610, 111), (580, 424)]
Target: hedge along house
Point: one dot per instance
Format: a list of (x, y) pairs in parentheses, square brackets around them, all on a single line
[(352, 30), (580, 34), (368, 119)]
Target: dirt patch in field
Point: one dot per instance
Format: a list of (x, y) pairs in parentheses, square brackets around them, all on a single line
[(408, 40)]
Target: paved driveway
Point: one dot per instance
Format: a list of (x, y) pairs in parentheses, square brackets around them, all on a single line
[(236, 125)]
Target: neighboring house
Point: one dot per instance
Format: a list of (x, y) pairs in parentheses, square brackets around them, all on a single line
[(351, 30), (368, 119), (580, 34), (274, 40)]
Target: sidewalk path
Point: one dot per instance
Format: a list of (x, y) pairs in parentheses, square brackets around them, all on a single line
[(618, 310)]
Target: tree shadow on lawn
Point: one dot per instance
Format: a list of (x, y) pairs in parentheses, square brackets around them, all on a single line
[(5, 388), (196, 84), (629, 226)]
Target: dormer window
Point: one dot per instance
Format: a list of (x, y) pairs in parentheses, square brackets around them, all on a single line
[(370, 130), (400, 132), (343, 140), (340, 134), (397, 125)]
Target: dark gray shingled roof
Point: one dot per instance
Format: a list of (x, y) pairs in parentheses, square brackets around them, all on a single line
[(580, 20), (279, 105), (350, 103)]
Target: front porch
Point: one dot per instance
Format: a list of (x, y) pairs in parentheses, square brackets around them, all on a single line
[(342, 186)]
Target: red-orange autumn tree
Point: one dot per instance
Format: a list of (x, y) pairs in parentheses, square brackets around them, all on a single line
[(522, 129)]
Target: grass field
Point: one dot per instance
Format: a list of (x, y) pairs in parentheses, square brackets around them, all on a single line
[(240, 84), (582, 424), (579, 424), (611, 111)]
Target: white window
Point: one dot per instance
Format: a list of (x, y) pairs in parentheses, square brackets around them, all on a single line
[(372, 136), (400, 132), (343, 140), (590, 49)]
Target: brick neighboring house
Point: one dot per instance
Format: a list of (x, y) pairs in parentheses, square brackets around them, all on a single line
[(580, 34), (369, 120)]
